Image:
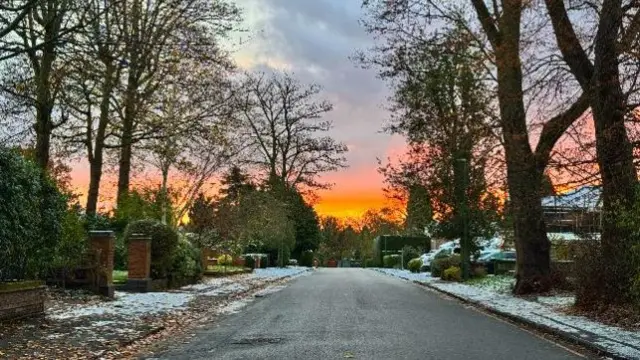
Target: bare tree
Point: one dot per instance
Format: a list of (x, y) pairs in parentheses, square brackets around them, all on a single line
[(602, 80), (95, 68), (196, 136), (284, 126), (12, 13), (150, 32), (44, 32), (498, 34)]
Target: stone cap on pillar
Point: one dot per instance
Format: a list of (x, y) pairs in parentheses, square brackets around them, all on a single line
[(139, 237)]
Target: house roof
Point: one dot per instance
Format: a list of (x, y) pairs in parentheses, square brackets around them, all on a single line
[(586, 198)]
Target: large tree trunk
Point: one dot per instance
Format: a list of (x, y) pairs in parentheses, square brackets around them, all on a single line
[(601, 80), (43, 128), (124, 170), (44, 107), (126, 145), (615, 154), (532, 244), (97, 157), (164, 193), (523, 175)]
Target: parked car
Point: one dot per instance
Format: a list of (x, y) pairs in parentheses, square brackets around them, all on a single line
[(426, 260), (487, 260)]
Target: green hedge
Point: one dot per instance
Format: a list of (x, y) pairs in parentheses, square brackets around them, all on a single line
[(186, 267), (250, 262), (409, 253), (306, 259), (439, 264), (32, 210), (391, 261), (414, 265), (164, 243)]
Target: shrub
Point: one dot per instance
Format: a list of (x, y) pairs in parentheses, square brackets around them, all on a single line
[(391, 261), (31, 214), (71, 250), (164, 242), (120, 254), (250, 262), (590, 267), (408, 253), (439, 264), (186, 267), (479, 272), (225, 260), (453, 273), (414, 265), (306, 259)]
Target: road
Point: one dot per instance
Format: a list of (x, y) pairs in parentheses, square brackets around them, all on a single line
[(362, 314)]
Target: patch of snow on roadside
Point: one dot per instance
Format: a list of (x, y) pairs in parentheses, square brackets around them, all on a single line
[(275, 273), (498, 284), (407, 275), (557, 301), (207, 284), (234, 307), (130, 305), (225, 290), (268, 291)]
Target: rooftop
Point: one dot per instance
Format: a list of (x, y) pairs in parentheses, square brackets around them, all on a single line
[(585, 198)]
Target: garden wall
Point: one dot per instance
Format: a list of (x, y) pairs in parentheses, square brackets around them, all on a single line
[(21, 302)]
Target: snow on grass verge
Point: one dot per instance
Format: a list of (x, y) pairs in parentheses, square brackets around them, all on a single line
[(618, 341), (275, 273), (130, 305)]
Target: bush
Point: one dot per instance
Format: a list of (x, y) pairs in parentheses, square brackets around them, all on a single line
[(164, 242), (479, 272), (120, 254), (391, 261), (414, 265), (186, 267), (71, 250), (590, 267), (306, 259), (439, 264), (409, 253), (453, 273), (250, 262), (225, 260), (31, 215)]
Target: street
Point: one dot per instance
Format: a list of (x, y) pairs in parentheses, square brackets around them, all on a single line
[(361, 314)]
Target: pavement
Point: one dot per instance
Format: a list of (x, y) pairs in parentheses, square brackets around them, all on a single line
[(361, 314)]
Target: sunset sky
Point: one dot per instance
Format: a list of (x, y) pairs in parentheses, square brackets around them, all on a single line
[(313, 40)]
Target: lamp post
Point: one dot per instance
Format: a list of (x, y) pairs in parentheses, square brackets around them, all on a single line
[(461, 175)]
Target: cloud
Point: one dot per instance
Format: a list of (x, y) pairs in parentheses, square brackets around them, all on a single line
[(314, 39)]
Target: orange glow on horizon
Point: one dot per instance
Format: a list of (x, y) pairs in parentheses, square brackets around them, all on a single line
[(345, 206)]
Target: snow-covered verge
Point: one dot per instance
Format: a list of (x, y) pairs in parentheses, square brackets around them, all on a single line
[(544, 311), (88, 326), (271, 273)]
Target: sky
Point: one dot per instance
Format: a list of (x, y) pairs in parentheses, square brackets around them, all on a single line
[(314, 39)]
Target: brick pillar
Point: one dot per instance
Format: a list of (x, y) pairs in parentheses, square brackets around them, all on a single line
[(103, 243), (139, 277)]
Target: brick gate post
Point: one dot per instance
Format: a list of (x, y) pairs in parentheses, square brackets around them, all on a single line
[(103, 242), (139, 277)]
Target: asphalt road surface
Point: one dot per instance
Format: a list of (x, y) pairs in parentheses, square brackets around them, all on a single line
[(362, 314)]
